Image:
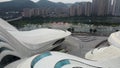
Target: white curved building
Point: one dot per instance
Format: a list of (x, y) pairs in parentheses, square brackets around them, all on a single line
[(62, 60), (21, 44), (107, 53), (107, 57), (54, 60)]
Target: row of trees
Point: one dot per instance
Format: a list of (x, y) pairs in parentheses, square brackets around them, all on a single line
[(108, 21)]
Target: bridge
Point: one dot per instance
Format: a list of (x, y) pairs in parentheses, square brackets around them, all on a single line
[(14, 19)]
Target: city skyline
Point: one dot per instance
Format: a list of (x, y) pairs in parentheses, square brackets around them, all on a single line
[(63, 1), (94, 8)]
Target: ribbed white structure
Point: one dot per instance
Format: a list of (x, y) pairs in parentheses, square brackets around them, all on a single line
[(114, 39), (62, 60), (107, 57), (54, 60), (107, 53), (27, 43)]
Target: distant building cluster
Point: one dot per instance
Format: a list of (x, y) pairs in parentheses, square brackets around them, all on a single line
[(106, 7), (81, 9), (45, 12), (94, 8)]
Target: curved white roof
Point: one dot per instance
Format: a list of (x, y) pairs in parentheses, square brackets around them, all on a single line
[(55, 60), (6, 25), (103, 54), (114, 39), (28, 43), (106, 53), (39, 36), (62, 60)]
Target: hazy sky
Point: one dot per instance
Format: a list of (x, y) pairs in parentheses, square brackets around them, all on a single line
[(64, 1)]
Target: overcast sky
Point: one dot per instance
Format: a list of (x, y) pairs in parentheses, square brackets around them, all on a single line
[(64, 1)]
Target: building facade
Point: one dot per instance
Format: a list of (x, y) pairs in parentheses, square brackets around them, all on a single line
[(116, 8), (27, 12), (88, 9), (100, 7), (109, 12), (72, 10), (81, 9)]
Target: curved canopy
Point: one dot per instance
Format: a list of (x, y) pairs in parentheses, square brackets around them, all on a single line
[(114, 39)]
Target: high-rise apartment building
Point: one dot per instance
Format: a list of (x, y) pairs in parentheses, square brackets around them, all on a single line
[(88, 9), (116, 8), (37, 12), (95, 7), (27, 12), (72, 10), (100, 7), (81, 9), (109, 11)]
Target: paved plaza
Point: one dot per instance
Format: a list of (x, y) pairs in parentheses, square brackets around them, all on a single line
[(80, 45)]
